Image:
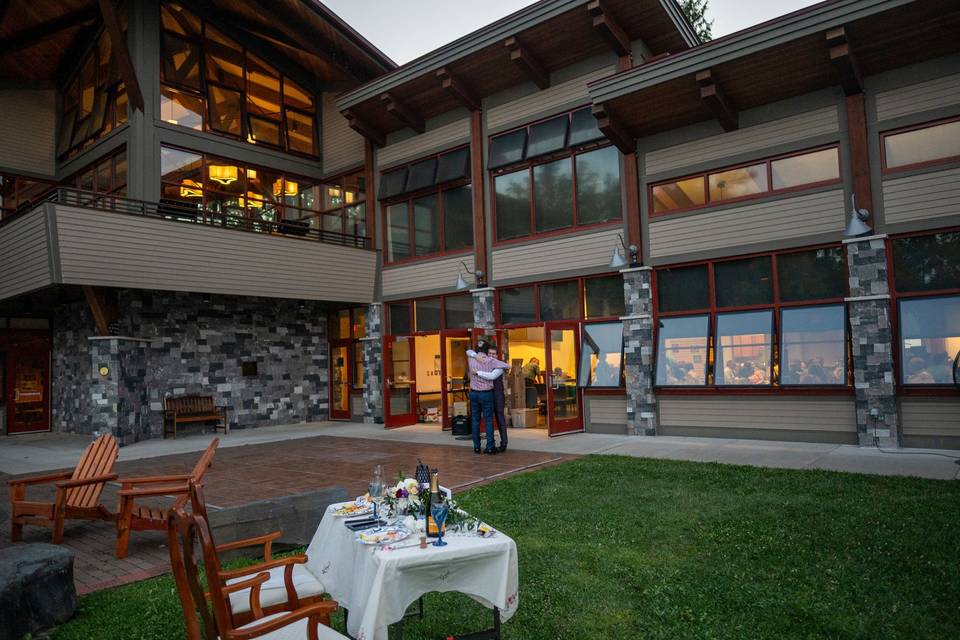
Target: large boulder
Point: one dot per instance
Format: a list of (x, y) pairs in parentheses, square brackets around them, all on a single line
[(36, 589), (297, 516)]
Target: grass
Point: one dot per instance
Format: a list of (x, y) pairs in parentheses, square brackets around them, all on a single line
[(629, 548)]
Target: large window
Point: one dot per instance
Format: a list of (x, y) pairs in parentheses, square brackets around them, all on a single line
[(927, 289), (212, 83), (925, 144), (764, 321), (582, 298), (192, 183), (348, 326), (94, 99), (601, 355), (107, 175), (428, 207), (758, 179), (428, 315), (553, 175)]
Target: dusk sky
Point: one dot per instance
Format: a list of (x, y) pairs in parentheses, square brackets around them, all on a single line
[(406, 29)]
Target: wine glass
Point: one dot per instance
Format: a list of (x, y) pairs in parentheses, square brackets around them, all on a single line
[(439, 512), (375, 489)]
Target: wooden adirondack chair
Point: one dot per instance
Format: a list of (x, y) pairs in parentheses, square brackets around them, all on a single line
[(184, 531), (78, 492), (134, 517)]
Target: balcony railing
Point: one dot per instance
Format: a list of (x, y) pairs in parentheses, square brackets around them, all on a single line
[(175, 211)]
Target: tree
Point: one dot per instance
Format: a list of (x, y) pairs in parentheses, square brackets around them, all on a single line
[(696, 12)]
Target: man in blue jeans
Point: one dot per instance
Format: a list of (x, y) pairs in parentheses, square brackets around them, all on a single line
[(482, 367)]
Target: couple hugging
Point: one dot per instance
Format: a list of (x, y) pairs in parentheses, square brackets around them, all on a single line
[(486, 395)]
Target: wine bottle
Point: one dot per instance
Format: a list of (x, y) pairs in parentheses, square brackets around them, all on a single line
[(432, 529)]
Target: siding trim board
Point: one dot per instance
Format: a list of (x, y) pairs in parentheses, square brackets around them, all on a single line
[(25, 263), (446, 136), (577, 251), (342, 148), (931, 195), (943, 91), (427, 277), (777, 414)]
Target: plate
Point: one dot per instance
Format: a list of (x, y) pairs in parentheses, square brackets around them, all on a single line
[(353, 509), (383, 535)]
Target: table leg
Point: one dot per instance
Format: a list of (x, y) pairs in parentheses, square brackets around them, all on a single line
[(488, 634)]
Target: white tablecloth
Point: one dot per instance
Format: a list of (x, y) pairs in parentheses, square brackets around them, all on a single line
[(378, 585)]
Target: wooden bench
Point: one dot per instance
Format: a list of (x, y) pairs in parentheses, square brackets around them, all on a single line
[(186, 409)]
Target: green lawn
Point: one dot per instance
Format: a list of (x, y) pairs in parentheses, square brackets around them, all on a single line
[(627, 548)]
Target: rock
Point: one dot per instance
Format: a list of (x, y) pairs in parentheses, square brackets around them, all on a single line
[(297, 516), (36, 589)]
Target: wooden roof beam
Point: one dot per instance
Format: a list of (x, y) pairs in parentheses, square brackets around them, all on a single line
[(609, 28), (527, 64), (455, 87), (125, 63), (402, 112), (363, 128), (613, 129), (844, 61), (716, 101), (46, 30)]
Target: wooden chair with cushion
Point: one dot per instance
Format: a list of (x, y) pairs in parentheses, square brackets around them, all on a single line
[(139, 517), (184, 532), (77, 496), (289, 585)]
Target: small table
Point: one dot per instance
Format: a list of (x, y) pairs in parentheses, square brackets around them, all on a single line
[(377, 585)]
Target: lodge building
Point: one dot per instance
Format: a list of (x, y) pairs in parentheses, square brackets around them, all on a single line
[(756, 236)]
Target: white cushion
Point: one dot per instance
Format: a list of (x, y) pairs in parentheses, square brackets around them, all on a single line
[(295, 631), (274, 591)]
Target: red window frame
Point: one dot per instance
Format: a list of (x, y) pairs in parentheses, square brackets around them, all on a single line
[(776, 306), (768, 161), (408, 198), (409, 302), (341, 211), (885, 170), (352, 342), (905, 389), (529, 165)]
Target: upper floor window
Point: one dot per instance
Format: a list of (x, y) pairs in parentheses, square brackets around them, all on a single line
[(428, 206), (19, 194), (94, 100), (427, 315), (554, 175), (212, 83), (769, 320), (926, 273), (237, 191), (107, 175), (584, 298), (921, 145), (757, 179)]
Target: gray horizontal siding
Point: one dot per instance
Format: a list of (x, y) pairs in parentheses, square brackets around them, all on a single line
[(784, 413), (930, 417), (916, 98), (28, 130), (342, 146), (567, 253), (443, 137), (609, 410), (775, 220), (24, 255), (921, 196), (762, 136), (539, 103), (114, 250), (424, 277)]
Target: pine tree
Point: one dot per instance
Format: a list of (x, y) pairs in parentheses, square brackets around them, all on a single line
[(696, 12)]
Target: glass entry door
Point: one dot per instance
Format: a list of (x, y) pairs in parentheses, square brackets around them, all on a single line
[(456, 399), (28, 386), (564, 412), (340, 361), (400, 407)]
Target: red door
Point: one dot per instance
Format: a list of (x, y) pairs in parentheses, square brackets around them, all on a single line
[(28, 385), (453, 365), (564, 407), (400, 395)]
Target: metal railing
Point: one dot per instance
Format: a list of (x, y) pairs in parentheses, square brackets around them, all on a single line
[(182, 212)]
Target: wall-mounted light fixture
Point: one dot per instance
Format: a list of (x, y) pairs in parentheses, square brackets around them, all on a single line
[(462, 283), (857, 226), (617, 261)]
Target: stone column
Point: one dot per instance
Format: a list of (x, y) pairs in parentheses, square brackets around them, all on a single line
[(373, 365), (872, 341), (117, 390), (483, 309), (638, 351)]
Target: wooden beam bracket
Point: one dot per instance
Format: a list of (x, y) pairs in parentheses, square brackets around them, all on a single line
[(527, 64), (456, 88), (402, 112), (716, 101), (30, 36), (103, 306), (612, 128), (363, 128), (844, 61), (119, 43), (609, 28)]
